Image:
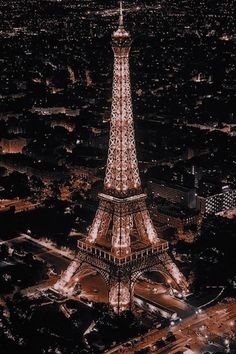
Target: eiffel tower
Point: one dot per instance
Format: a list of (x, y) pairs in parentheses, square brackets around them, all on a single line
[(122, 242)]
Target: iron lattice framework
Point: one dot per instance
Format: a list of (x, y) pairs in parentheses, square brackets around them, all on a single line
[(122, 215), (122, 174)]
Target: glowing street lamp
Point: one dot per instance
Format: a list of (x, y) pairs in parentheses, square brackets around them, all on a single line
[(226, 342)]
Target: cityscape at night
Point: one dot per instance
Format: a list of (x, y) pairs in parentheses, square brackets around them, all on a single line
[(117, 177)]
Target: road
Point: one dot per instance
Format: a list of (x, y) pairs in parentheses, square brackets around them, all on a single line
[(19, 204), (196, 331), (147, 290)]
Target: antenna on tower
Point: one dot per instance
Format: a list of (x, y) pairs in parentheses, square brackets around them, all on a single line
[(121, 18)]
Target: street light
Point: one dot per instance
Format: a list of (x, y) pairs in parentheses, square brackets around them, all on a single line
[(170, 288), (226, 342), (198, 311)]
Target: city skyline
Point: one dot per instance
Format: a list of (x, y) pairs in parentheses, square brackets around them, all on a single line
[(117, 177)]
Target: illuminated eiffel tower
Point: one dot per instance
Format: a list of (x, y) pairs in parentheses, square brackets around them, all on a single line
[(122, 242)]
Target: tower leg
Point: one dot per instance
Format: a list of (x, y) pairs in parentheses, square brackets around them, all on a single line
[(120, 296), (174, 271), (62, 284)]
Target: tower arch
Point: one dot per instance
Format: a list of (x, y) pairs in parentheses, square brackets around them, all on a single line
[(169, 280)]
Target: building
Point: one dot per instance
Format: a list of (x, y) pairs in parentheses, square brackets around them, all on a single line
[(66, 124), (176, 217), (173, 193), (13, 145), (213, 203)]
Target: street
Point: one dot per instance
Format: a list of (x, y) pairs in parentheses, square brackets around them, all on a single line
[(197, 332)]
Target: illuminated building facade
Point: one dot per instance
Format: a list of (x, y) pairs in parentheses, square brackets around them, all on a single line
[(12, 145), (174, 193), (216, 202), (122, 242)]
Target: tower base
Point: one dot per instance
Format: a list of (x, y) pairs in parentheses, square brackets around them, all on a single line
[(119, 273)]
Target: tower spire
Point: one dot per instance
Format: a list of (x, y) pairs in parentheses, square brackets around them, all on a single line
[(121, 32), (121, 18)]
